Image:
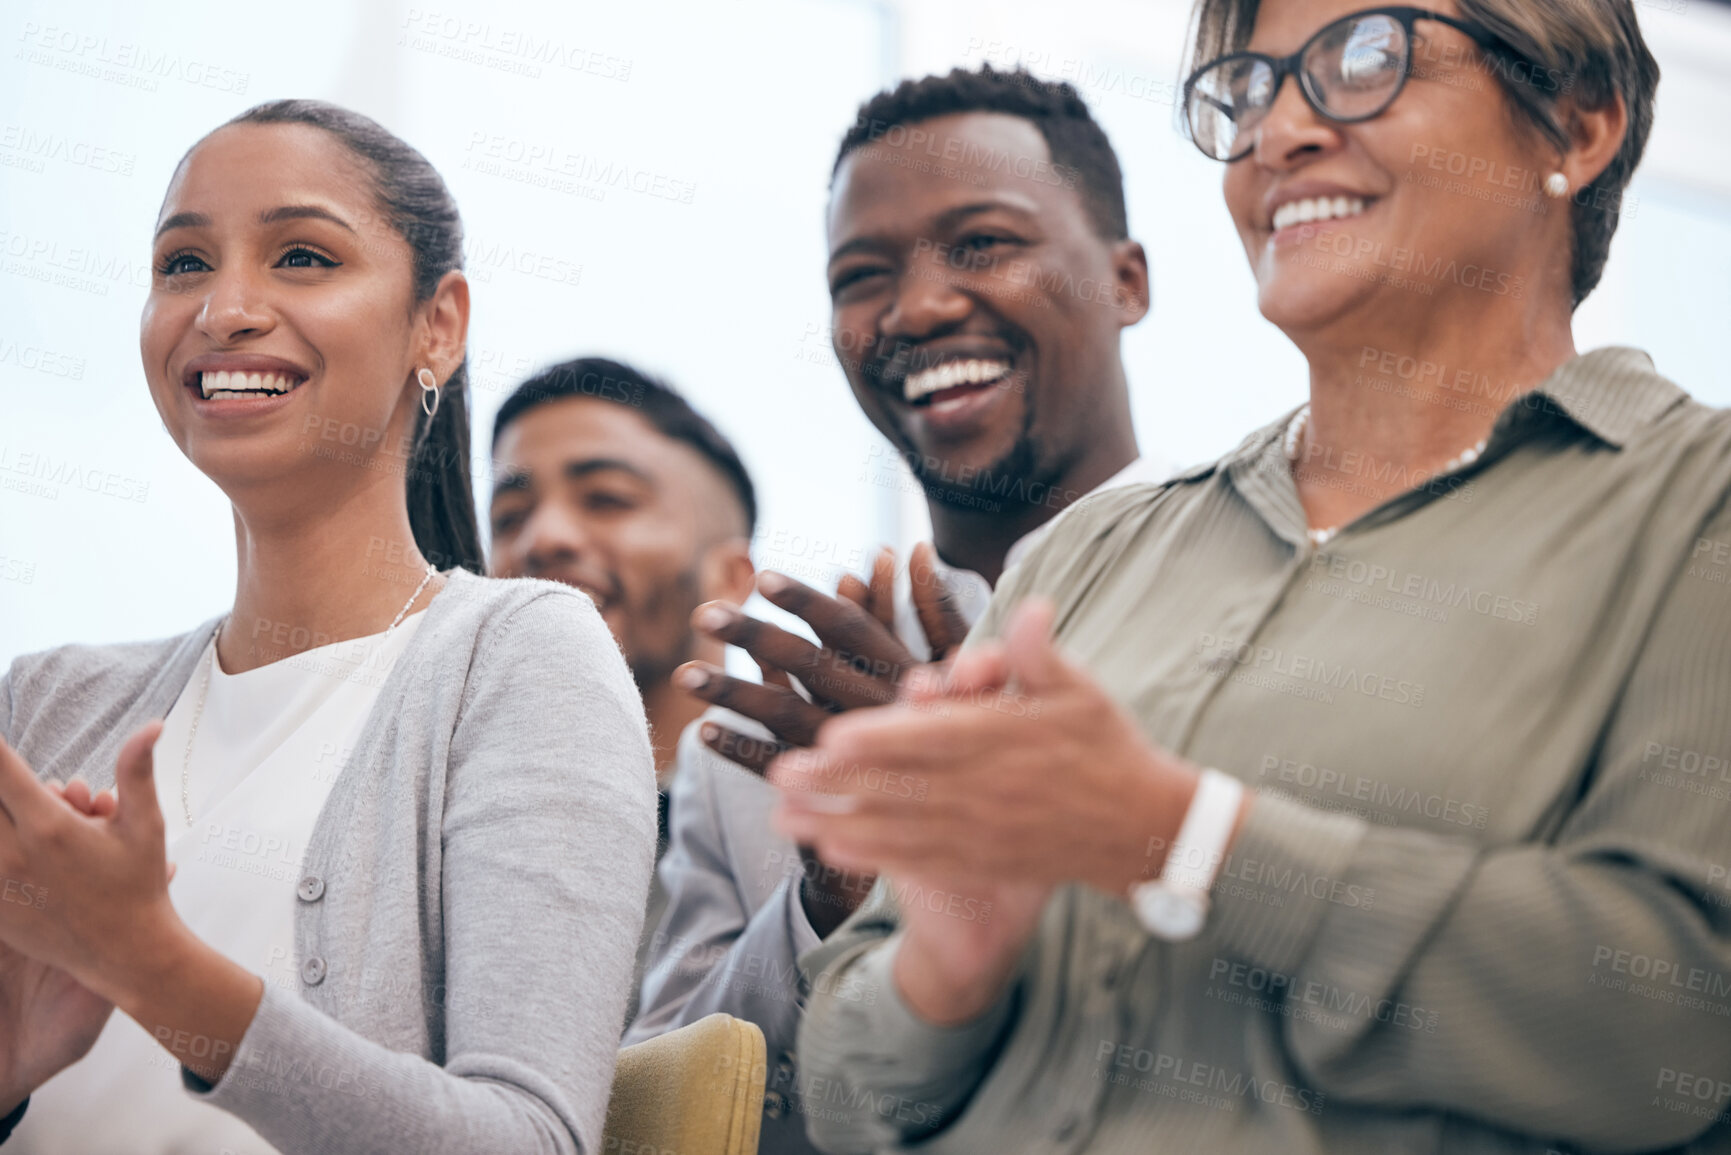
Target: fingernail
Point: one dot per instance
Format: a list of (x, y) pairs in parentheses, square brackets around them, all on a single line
[(709, 731), (691, 677), (714, 617), (771, 582)]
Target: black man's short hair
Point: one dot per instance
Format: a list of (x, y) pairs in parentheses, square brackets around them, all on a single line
[(1073, 137)]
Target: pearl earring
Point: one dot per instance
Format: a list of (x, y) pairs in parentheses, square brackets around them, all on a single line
[(429, 389), (1557, 186)]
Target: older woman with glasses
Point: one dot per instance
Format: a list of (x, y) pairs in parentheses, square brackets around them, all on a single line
[(1391, 812)]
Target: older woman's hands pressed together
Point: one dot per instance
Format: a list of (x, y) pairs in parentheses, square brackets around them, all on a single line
[(1005, 776)]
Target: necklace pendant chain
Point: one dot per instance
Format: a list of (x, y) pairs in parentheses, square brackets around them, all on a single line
[(1293, 443), (402, 612), (204, 691)]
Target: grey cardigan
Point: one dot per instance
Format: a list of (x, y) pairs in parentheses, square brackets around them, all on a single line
[(472, 891)]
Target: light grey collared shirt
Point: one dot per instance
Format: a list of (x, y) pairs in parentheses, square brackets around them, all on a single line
[(1482, 900)]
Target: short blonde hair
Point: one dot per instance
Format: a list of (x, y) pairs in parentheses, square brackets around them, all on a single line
[(1591, 51)]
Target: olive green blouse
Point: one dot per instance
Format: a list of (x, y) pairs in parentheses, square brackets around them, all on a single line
[(1482, 901)]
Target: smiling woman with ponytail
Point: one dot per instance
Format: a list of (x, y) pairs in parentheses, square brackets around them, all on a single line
[(387, 798), (416, 204)]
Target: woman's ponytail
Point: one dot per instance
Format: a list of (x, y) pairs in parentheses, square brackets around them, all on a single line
[(420, 208)]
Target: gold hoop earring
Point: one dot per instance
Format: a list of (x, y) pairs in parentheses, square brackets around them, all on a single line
[(429, 388)]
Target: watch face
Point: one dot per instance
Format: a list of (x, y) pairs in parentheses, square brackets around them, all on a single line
[(1170, 914)]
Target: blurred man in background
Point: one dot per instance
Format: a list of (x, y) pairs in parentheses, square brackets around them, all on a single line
[(609, 481)]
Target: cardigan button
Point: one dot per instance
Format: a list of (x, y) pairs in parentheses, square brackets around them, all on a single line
[(776, 1105), (311, 889), (313, 971)]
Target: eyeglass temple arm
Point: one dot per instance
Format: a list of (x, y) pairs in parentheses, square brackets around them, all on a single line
[(1477, 33)]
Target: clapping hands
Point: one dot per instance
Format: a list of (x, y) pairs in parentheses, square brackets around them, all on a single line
[(860, 663), (48, 1019)]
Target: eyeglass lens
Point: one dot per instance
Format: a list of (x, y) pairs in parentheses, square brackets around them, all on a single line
[(1351, 70)]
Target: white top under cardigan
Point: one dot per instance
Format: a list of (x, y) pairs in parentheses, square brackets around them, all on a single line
[(270, 742), (484, 857)]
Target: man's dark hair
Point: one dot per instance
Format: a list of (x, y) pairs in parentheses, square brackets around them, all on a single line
[(603, 380), (1054, 107)]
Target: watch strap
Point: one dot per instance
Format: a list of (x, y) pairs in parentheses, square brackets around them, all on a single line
[(1200, 846)]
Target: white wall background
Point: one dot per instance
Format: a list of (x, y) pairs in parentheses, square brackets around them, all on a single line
[(107, 534)]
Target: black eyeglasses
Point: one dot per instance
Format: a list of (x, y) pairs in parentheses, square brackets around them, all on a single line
[(1349, 71)]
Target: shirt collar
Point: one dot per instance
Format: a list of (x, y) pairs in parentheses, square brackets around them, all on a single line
[(1147, 468), (1610, 392), (971, 591)]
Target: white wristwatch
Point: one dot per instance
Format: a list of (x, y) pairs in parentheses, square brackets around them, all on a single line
[(1175, 905)]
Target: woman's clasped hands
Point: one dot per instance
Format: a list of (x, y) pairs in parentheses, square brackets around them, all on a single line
[(84, 910), (983, 788)]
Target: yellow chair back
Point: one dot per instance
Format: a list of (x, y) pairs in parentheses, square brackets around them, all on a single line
[(694, 1091)]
